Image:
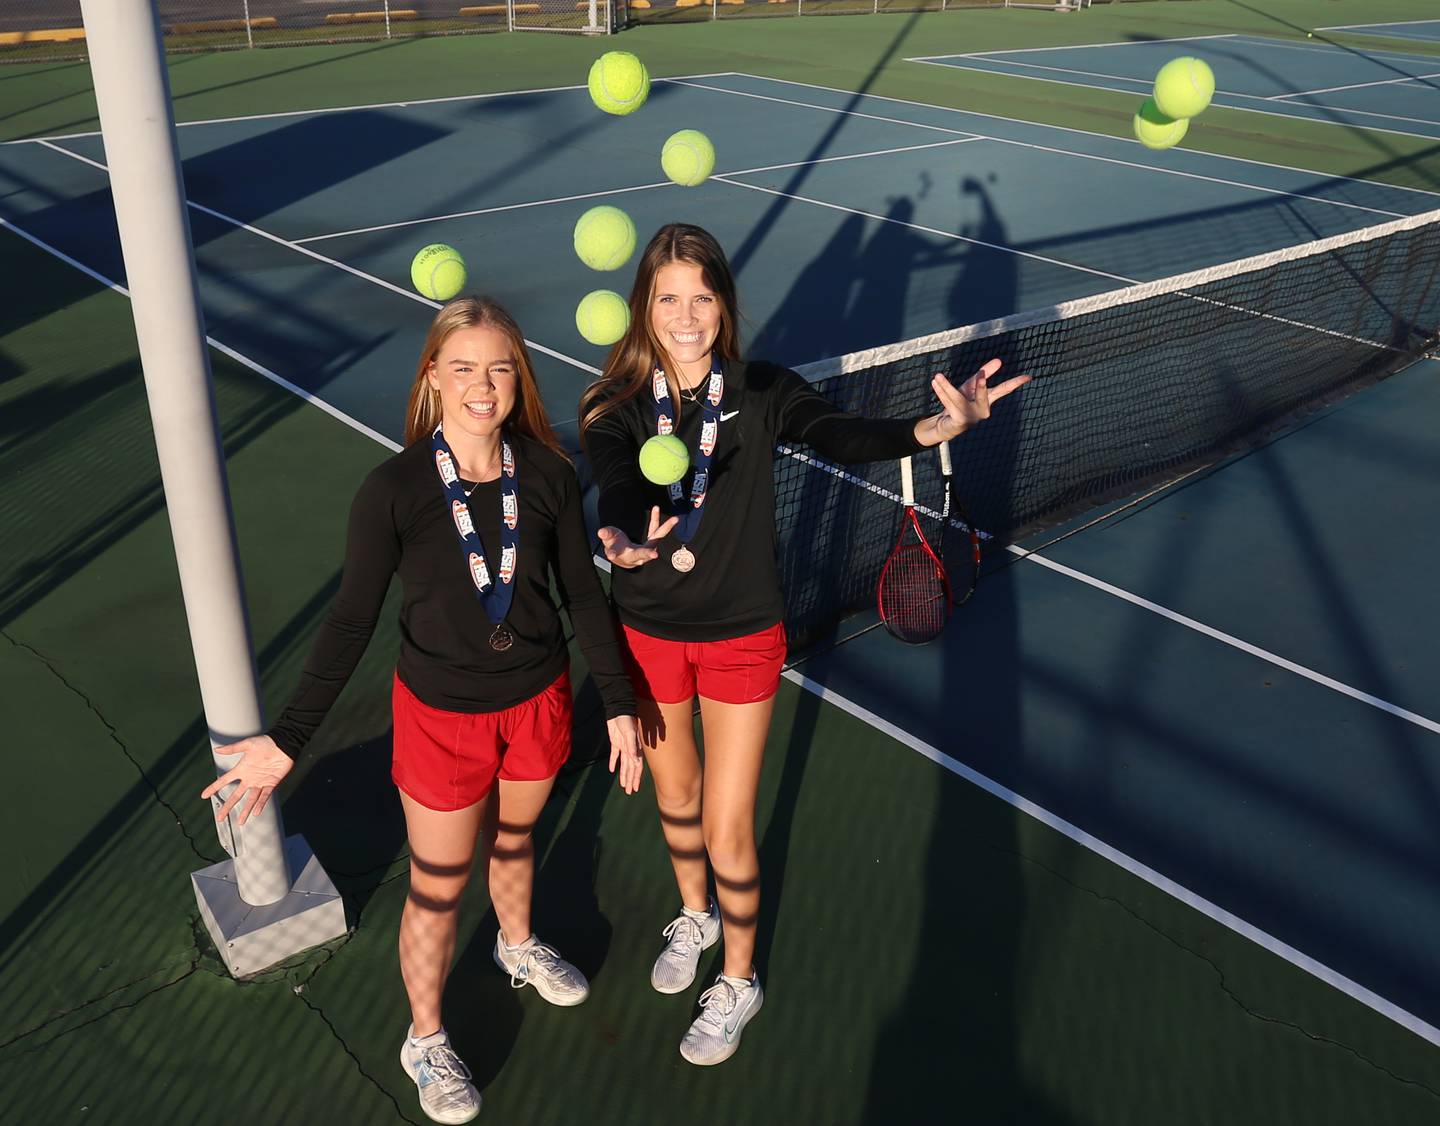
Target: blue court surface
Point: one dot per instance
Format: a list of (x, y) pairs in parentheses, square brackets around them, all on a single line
[(852, 221), (1381, 90), (1229, 691), (1428, 30)]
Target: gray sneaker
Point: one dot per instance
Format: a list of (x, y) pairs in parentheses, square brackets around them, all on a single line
[(534, 963), (726, 1008), (446, 1093), (689, 933)]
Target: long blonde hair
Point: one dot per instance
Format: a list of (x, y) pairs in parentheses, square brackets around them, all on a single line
[(639, 352), (527, 417)]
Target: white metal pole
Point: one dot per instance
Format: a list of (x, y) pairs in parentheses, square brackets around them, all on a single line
[(387, 19), (133, 99), (714, 9), (594, 17), (249, 31), (510, 14)]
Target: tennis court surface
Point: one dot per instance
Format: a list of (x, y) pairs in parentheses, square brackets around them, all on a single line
[(1147, 836)]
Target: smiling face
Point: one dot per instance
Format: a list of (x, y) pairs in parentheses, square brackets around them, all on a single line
[(685, 316), (476, 375)]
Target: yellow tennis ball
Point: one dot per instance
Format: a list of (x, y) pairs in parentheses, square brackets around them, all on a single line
[(1156, 131), (688, 157), (1184, 87), (604, 238), (619, 82), (664, 459), (602, 316), (438, 272)]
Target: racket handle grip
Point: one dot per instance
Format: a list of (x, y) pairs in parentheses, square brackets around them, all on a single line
[(907, 482), (945, 458)]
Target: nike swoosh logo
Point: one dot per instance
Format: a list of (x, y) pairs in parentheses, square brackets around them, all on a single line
[(739, 1012), (728, 417)]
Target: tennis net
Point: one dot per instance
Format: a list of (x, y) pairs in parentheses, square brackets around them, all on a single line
[(1132, 388)]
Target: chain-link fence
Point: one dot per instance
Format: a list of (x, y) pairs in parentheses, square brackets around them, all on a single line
[(32, 30)]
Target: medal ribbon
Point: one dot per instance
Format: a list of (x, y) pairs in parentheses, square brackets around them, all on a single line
[(494, 597), (691, 515)]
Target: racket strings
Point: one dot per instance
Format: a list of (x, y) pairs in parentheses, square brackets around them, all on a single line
[(913, 596)]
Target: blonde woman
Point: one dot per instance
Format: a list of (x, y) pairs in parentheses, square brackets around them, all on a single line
[(476, 515)]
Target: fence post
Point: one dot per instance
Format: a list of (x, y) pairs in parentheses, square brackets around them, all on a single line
[(387, 19), (714, 9), (249, 31)]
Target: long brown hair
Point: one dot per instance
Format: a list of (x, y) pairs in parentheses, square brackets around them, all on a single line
[(639, 352), (527, 417)]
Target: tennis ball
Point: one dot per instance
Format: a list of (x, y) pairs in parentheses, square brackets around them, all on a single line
[(1184, 87), (1155, 130), (438, 272), (688, 157), (619, 82), (602, 316), (664, 459), (604, 238)]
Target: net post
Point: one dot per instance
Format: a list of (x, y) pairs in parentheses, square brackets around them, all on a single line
[(271, 899)]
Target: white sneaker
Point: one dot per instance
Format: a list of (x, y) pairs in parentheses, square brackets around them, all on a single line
[(689, 933), (534, 963), (446, 1093), (726, 1008)]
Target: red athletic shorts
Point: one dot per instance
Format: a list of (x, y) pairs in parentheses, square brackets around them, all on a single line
[(737, 670), (450, 760)]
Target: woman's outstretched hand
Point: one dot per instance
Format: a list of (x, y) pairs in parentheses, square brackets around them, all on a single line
[(965, 406), (261, 768), (623, 553)]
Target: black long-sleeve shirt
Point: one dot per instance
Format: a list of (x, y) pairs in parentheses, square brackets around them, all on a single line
[(734, 588), (400, 523)]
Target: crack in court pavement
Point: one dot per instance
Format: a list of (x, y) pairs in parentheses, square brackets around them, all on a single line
[(194, 968), (1220, 976), (299, 991), (114, 737), (43, 1025)]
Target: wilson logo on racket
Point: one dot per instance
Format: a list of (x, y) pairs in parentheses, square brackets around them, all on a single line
[(479, 573), (508, 509), (702, 479), (507, 564), (717, 388), (664, 425), (658, 385), (508, 462), (446, 464), (461, 512), (707, 437)]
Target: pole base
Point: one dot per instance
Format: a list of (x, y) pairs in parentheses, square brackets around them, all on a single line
[(251, 939)]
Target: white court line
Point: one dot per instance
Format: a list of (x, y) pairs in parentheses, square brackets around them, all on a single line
[(1328, 176), (635, 188), (1239, 109), (305, 250), (351, 109), (929, 230), (1387, 23), (1228, 639), (1193, 900), (1330, 49), (1177, 891), (1083, 46), (1354, 86), (831, 109), (314, 400), (1242, 184)]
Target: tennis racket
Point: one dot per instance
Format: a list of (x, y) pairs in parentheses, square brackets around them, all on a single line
[(959, 540), (913, 594)]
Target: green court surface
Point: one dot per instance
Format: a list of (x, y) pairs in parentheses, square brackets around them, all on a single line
[(934, 950)]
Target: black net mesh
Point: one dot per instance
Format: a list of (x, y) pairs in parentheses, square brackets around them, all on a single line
[(1131, 388)]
